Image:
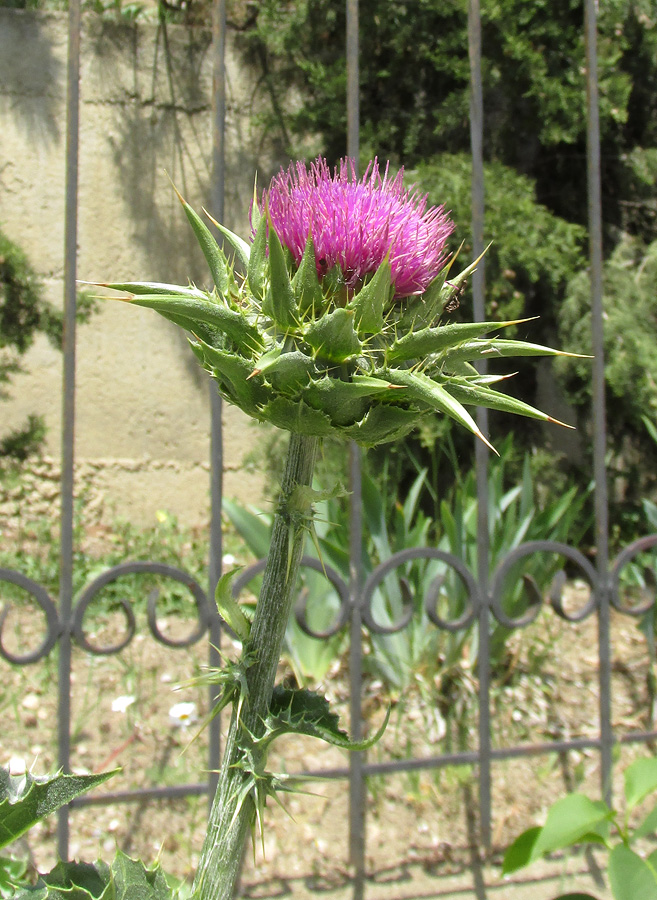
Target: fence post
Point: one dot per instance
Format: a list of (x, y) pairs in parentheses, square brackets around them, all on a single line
[(68, 408)]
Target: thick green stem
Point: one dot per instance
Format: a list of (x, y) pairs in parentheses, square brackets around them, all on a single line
[(221, 856)]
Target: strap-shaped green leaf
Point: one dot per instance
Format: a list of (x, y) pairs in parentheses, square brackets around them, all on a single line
[(25, 799), (308, 712), (333, 337)]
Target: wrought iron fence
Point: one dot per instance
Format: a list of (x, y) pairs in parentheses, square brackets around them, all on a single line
[(484, 591)]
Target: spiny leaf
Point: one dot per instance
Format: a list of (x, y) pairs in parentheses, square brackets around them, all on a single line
[(214, 255), (474, 350), (384, 422), (306, 284), (333, 337), (479, 395), (370, 302), (308, 712), (26, 799), (233, 324), (295, 415), (280, 302), (345, 402), (151, 288), (257, 267), (233, 372), (240, 246), (424, 390), (420, 344), (287, 372)]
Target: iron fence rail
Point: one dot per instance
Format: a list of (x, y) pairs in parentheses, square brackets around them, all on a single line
[(64, 620)]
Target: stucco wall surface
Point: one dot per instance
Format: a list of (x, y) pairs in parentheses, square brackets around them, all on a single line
[(145, 118)]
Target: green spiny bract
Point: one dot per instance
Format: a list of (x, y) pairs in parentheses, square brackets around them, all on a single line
[(317, 358)]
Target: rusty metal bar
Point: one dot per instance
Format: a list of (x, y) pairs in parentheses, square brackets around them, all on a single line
[(599, 418), (216, 434), (68, 407), (357, 784), (481, 451)]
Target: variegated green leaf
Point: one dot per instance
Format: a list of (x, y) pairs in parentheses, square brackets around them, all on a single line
[(474, 350), (333, 337), (383, 423), (232, 372), (295, 415), (287, 372), (152, 288)]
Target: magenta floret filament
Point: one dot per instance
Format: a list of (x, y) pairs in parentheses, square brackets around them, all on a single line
[(356, 223)]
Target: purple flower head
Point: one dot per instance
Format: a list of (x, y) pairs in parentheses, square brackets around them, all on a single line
[(355, 224)]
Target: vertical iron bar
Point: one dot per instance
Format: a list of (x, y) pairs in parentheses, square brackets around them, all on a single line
[(216, 436), (599, 423), (357, 786), (68, 409), (481, 452)]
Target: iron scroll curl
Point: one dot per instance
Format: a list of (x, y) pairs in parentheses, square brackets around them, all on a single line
[(45, 603), (307, 562), (467, 616), (626, 556), (140, 568), (532, 590)]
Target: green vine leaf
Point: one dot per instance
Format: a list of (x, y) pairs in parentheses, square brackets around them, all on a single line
[(26, 799), (308, 712)]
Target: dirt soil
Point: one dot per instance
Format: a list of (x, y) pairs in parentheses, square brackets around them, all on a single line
[(421, 826)]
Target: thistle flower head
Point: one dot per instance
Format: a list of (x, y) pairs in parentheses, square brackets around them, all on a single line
[(332, 319), (355, 223)]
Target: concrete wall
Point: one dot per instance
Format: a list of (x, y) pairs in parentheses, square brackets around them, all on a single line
[(145, 116)]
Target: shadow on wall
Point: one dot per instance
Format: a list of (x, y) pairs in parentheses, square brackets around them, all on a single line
[(159, 131), (32, 93)]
